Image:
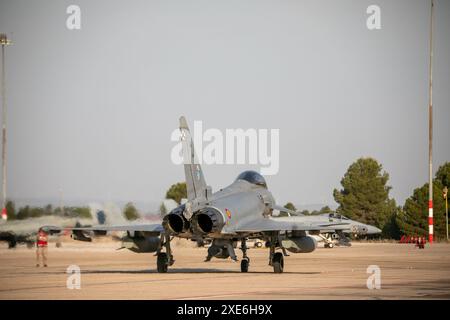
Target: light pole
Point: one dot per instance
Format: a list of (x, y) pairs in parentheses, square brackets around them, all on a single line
[(4, 41), (430, 133), (445, 194)]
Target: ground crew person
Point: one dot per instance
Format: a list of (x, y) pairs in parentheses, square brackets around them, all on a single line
[(41, 247)]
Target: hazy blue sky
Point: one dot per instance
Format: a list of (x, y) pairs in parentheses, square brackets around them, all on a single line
[(91, 111)]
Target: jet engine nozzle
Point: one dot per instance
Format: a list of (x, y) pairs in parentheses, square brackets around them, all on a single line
[(208, 220), (175, 223)]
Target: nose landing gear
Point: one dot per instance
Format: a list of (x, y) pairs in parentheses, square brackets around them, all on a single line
[(245, 262), (276, 259)]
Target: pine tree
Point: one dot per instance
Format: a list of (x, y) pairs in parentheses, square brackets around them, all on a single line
[(130, 212), (177, 192), (413, 219), (443, 174), (365, 195)]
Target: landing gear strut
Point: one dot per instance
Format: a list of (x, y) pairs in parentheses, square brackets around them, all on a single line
[(162, 262), (276, 259), (164, 259), (328, 241), (278, 262), (245, 262)]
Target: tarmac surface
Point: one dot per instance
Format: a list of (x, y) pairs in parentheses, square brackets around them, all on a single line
[(338, 273)]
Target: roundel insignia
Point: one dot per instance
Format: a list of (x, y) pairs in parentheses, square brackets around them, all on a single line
[(228, 213)]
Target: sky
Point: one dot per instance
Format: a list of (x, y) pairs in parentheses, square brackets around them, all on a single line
[(91, 111)]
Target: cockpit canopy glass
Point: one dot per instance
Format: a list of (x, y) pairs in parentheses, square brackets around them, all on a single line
[(337, 216), (253, 177)]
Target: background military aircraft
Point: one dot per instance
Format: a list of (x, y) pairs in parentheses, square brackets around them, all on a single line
[(241, 211), (16, 232), (352, 227)]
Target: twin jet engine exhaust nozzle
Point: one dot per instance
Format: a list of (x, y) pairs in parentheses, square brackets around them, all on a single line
[(205, 221)]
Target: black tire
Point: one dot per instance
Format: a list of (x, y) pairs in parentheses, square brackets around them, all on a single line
[(278, 262), (244, 265), (162, 262)]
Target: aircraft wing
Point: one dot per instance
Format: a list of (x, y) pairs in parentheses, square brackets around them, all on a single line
[(156, 228), (289, 224)]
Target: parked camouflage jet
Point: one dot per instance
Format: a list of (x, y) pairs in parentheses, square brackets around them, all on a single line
[(241, 211)]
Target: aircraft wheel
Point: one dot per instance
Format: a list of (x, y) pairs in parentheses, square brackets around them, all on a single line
[(162, 262), (277, 262), (259, 244), (244, 264), (331, 245)]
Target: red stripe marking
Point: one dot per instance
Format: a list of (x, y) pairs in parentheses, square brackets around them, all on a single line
[(430, 221), (430, 238), (430, 204)]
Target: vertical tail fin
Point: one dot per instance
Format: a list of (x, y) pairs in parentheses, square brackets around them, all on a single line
[(195, 181)]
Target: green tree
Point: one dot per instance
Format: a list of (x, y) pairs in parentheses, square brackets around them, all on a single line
[(365, 193), (391, 229), (48, 210), (23, 213), (81, 212), (11, 210), (289, 206), (443, 174), (130, 212), (325, 209), (413, 219), (162, 210), (177, 192)]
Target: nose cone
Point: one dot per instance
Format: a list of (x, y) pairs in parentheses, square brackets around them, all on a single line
[(373, 230)]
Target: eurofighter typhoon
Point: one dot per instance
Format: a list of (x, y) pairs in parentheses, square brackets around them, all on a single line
[(241, 211)]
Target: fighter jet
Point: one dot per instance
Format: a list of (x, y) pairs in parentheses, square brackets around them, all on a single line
[(241, 211), (16, 232), (329, 237)]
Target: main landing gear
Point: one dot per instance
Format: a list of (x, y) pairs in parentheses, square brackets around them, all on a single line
[(164, 259), (278, 262), (276, 259)]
